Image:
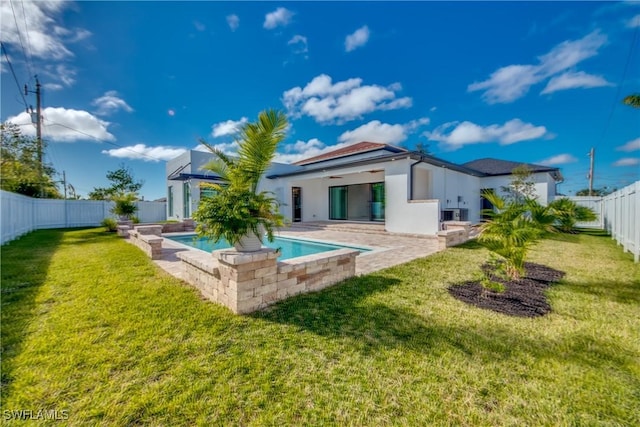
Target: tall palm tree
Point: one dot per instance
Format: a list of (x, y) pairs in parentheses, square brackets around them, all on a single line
[(257, 144), (239, 212)]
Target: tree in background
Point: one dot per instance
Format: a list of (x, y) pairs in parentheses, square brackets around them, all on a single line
[(522, 186), (20, 168), (122, 183), (596, 191)]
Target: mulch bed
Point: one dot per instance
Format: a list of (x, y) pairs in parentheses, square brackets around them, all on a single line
[(523, 298)]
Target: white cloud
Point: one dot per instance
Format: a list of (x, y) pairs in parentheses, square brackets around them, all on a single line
[(627, 161), (359, 38), (143, 152), (343, 101), (44, 39), (199, 26), (65, 75), (465, 133), (305, 149), (233, 21), (229, 148), (299, 44), (507, 83), (632, 145), (53, 86), (228, 127), (572, 80), (278, 18), (37, 27), (634, 22), (385, 133), (66, 125), (109, 103), (560, 159), (512, 82)]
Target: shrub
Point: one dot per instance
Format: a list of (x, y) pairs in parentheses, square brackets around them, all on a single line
[(110, 224), (567, 213), (125, 206)]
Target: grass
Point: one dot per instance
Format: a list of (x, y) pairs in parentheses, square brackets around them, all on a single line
[(92, 327)]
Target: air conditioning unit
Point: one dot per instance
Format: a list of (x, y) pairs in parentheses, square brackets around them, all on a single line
[(455, 214)]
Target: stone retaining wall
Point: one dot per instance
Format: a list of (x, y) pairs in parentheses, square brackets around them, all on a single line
[(455, 233), (148, 239), (248, 281), (177, 227)]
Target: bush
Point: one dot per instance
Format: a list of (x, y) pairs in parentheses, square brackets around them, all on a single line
[(125, 206), (110, 224)]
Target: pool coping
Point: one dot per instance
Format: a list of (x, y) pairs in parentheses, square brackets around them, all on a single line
[(370, 250)]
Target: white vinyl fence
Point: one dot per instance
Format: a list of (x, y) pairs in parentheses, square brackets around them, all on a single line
[(21, 214), (619, 215)]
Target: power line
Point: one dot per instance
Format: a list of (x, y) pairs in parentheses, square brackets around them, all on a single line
[(24, 52), (26, 30), (4, 50), (616, 100), (102, 140)]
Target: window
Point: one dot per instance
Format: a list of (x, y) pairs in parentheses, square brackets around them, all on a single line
[(186, 208), (170, 200)]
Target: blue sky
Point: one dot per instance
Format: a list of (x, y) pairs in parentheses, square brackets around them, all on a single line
[(139, 82)]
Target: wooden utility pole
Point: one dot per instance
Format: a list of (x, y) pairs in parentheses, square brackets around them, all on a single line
[(592, 155), (38, 122)]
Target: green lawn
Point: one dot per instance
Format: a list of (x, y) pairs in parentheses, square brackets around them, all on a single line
[(92, 327)]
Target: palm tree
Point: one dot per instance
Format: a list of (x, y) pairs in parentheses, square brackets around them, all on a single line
[(567, 212), (239, 210), (512, 228), (257, 144)]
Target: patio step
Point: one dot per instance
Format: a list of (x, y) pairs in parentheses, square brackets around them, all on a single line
[(352, 227)]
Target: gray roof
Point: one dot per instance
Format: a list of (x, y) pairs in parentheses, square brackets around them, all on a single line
[(375, 159), (494, 167)]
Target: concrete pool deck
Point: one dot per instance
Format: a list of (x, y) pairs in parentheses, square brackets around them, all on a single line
[(387, 249)]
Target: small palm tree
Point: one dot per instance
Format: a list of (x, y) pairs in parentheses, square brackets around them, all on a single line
[(512, 228), (567, 212), (125, 206), (239, 209)]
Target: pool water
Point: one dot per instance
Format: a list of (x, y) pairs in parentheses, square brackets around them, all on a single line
[(290, 248)]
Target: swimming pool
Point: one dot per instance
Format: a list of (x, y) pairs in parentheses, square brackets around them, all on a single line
[(290, 248)]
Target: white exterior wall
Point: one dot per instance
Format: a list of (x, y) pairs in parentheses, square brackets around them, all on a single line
[(451, 188), (545, 186), (401, 214)]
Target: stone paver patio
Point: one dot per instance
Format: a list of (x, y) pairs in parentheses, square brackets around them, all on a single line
[(388, 249)]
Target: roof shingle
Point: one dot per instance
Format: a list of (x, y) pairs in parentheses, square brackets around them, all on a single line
[(360, 147)]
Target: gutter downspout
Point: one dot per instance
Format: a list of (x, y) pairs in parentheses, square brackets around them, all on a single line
[(411, 176)]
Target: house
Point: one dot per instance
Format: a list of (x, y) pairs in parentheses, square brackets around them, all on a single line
[(408, 191)]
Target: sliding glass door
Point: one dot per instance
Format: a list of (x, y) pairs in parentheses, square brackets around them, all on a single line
[(357, 202), (377, 201), (338, 202)]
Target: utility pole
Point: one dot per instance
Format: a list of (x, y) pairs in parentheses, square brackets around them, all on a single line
[(64, 183), (592, 154), (37, 120)]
